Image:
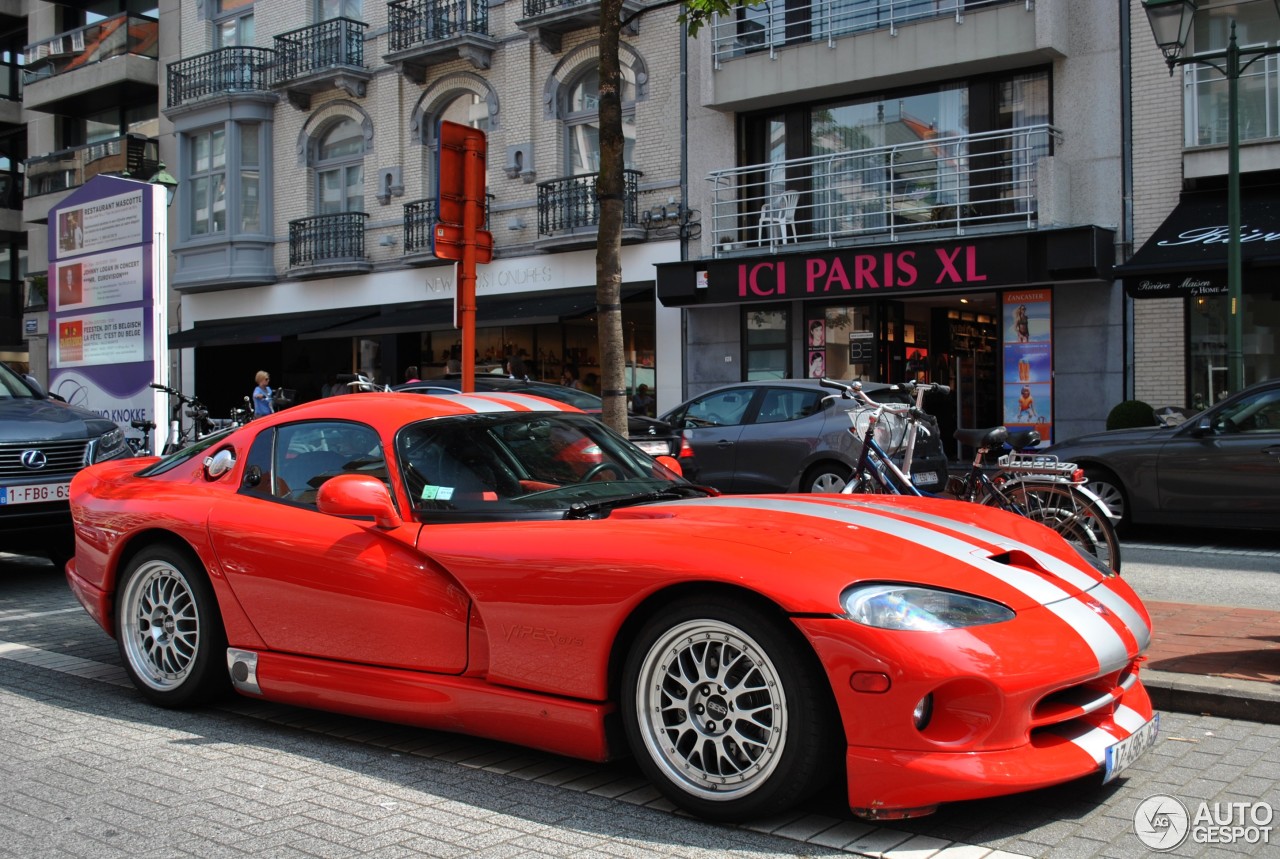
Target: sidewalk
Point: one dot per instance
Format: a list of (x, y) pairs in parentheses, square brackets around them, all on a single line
[(1215, 659)]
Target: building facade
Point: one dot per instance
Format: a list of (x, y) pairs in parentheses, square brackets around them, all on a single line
[(1177, 274), (926, 191)]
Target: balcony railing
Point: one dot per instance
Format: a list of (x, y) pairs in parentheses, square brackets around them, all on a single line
[(238, 69), (113, 37), (955, 184), (419, 216), (324, 239), (570, 203), (775, 23), (70, 168), (419, 22), (330, 44)]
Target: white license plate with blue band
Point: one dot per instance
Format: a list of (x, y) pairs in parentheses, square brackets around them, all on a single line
[(35, 493), (1132, 747), (924, 478)]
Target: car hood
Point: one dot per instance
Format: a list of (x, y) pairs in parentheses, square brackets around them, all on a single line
[(48, 420), (1118, 436)]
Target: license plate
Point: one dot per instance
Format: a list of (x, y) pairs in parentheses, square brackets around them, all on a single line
[(654, 448), (924, 478), (1132, 747), (35, 493)]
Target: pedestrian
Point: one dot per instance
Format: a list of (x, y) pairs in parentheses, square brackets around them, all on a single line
[(262, 395), (569, 377), (411, 374), (516, 369), (642, 403)]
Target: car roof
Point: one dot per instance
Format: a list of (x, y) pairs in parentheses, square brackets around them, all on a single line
[(808, 384), (399, 408)]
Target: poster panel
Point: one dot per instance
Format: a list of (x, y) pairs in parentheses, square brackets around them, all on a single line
[(1028, 362)]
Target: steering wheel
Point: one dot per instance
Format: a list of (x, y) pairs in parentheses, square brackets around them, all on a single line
[(600, 468)]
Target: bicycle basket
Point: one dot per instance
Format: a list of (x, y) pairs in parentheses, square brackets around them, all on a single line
[(891, 430)]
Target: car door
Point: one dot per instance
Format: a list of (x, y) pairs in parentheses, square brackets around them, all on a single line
[(325, 586), (785, 428), (1231, 470), (712, 425)]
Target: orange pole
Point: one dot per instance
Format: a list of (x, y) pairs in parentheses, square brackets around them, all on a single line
[(473, 199)]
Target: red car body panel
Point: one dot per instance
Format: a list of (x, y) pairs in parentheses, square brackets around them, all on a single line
[(513, 630)]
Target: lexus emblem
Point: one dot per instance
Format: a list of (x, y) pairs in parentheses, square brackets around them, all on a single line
[(34, 459)]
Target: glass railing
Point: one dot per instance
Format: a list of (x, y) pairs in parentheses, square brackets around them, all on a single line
[(235, 69), (957, 184), (773, 24), (113, 37), (1206, 108), (129, 154)]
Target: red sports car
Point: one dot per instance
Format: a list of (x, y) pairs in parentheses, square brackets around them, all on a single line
[(438, 561)]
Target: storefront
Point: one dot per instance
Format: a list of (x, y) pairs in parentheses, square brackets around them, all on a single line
[(1002, 319), (307, 333), (1186, 259)]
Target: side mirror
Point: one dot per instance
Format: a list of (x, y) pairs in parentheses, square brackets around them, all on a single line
[(670, 463), (358, 495), (35, 385), (1204, 426)]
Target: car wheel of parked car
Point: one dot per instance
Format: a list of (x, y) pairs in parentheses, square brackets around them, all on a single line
[(1106, 486), (167, 625), (726, 712), (828, 477)]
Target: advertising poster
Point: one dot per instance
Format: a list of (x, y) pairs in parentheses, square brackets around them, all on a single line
[(107, 308), (1028, 362)]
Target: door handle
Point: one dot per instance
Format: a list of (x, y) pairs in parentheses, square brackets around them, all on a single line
[(724, 442)]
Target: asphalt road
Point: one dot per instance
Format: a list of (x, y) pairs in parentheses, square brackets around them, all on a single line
[(92, 770), (1228, 568)]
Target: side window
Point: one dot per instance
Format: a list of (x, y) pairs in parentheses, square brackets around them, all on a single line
[(257, 469), (780, 404), (722, 409), (1260, 413), (308, 454)]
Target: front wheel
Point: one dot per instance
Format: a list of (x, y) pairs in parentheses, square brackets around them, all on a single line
[(726, 712), (828, 478), (1080, 520), (170, 634)]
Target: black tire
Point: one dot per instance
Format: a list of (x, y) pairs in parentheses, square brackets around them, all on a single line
[(828, 477), (780, 748), (169, 630)]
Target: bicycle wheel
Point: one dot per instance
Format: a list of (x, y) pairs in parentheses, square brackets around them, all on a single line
[(1081, 520)]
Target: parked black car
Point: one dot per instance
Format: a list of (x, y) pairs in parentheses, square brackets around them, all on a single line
[(43, 443), (784, 435), (1216, 469), (654, 437)]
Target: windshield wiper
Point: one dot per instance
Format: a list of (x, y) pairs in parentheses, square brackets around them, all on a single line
[(586, 509)]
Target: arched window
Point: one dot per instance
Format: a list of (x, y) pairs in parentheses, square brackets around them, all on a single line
[(339, 165), (582, 120)]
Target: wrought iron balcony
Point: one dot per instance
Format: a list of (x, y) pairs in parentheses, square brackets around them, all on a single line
[(961, 184), (419, 216), (225, 70), (329, 243), (423, 33), (774, 24), (549, 20), (569, 204), (70, 168), (321, 57), (116, 36)]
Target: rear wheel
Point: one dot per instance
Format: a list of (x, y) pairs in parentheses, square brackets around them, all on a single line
[(726, 712), (1078, 518), (168, 628), (827, 477)]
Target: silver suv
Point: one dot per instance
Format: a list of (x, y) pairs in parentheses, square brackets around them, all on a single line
[(43, 443)]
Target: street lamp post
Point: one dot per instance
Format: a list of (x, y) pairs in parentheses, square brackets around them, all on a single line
[(1171, 22)]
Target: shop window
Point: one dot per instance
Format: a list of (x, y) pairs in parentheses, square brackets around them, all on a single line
[(766, 344)]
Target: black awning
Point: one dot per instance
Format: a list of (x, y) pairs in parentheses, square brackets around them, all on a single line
[(262, 329), (525, 308), (1187, 254)]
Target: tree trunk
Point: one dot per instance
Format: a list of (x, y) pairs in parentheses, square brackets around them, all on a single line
[(610, 187)]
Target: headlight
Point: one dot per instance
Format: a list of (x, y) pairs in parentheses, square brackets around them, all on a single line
[(108, 445), (897, 606)]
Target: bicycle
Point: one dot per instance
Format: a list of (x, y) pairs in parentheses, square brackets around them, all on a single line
[(141, 445), (1040, 489), (180, 435)]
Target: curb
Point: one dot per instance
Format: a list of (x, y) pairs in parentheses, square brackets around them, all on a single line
[(1228, 697)]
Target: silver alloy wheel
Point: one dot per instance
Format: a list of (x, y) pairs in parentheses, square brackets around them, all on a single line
[(827, 481), (1109, 494), (160, 629), (711, 709)]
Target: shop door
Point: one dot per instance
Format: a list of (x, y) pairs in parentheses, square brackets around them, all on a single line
[(893, 355)]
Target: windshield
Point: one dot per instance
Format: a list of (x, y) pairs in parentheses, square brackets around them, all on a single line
[(12, 386), (508, 464), (175, 459)]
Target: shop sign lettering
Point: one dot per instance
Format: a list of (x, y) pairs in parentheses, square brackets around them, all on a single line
[(955, 266), (1217, 235)]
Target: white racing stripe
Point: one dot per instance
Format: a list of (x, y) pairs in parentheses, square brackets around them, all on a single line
[(485, 402), (1128, 718), (1108, 647)]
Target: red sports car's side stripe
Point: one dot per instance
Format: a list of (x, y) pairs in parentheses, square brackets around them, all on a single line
[(486, 403)]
